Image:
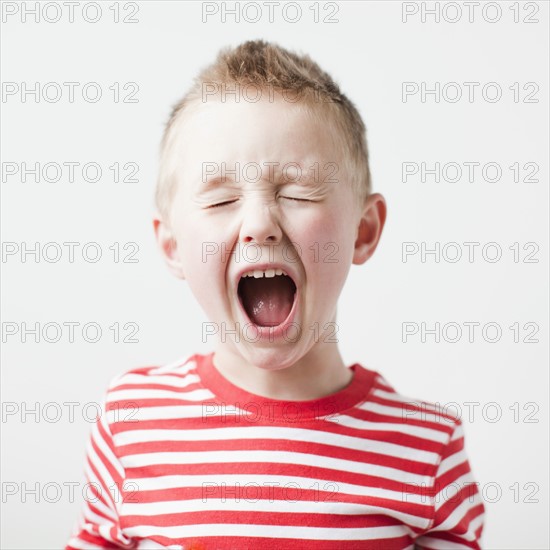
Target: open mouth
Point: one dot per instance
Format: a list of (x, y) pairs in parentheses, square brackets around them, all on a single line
[(267, 296)]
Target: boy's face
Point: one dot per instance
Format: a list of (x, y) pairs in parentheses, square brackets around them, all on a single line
[(242, 205)]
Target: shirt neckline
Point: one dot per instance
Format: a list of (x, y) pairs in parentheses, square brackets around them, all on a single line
[(232, 396)]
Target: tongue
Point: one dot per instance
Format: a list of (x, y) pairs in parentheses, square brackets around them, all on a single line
[(267, 301)]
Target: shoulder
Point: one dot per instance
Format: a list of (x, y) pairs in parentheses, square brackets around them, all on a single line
[(168, 374), (154, 386), (406, 414)]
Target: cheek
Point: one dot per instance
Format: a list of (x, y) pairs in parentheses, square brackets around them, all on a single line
[(206, 282), (200, 247), (200, 242), (327, 250)]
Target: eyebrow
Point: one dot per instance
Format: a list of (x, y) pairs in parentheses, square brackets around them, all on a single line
[(210, 182)]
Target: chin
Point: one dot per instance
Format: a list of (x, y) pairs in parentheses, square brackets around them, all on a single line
[(271, 359)]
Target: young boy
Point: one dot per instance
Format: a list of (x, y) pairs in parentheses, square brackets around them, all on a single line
[(264, 202)]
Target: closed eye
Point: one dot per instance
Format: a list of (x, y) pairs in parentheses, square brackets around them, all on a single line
[(225, 203), (294, 199)]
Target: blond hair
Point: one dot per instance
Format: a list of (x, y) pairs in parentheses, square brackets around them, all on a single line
[(268, 66)]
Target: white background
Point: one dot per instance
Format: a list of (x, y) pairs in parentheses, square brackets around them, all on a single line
[(370, 51)]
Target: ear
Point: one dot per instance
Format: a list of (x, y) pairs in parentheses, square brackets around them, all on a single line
[(370, 228), (168, 246)]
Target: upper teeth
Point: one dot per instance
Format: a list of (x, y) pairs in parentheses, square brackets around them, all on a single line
[(257, 273)]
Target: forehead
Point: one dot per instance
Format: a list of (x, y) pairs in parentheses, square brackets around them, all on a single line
[(265, 131)]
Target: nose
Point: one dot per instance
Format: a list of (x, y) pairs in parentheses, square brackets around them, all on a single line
[(260, 224)]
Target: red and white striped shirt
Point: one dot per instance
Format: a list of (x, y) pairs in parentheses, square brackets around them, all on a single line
[(183, 458)]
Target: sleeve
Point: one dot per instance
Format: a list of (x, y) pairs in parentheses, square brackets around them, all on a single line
[(99, 525), (458, 507)]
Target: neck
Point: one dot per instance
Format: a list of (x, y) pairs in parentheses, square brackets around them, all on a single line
[(317, 374)]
